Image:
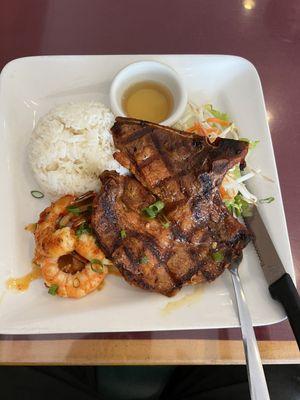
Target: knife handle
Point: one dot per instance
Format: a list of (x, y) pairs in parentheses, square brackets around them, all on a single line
[(286, 293)]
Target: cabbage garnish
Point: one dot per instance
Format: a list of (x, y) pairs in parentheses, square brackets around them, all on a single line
[(216, 113), (239, 206), (207, 121)]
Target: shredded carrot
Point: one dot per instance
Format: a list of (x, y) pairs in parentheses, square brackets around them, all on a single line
[(198, 128), (219, 121), (224, 193), (217, 131)]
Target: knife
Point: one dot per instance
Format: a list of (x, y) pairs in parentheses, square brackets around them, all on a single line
[(281, 285)]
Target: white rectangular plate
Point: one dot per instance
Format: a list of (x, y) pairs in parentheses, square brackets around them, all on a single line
[(29, 88)]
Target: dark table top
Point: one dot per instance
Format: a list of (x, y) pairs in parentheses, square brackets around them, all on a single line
[(266, 32)]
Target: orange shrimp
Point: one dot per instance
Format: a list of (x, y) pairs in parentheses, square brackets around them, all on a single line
[(71, 264)]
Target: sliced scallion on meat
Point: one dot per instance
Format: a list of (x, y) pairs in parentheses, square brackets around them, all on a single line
[(53, 289), (152, 210), (149, 212), (218, 256), (74, 210), (143, 260), (37, 194), (83, 228), (123, 233), (164, 221)]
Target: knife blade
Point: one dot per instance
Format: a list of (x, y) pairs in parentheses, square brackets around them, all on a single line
[(281, 285)]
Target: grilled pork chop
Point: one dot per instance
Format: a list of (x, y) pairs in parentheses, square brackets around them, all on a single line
[(184, 171), (169, 162)]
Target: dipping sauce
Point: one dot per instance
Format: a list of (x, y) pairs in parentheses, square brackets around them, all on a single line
[(22, 284), (112, 270), (150, 101), (186, 300)]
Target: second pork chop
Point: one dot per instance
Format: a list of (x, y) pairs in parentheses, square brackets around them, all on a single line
[(159, 258)]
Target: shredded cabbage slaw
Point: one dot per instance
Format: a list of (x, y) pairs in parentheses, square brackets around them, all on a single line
[(207, 121)]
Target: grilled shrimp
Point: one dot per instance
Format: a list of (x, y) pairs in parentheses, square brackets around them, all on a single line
[(72, 280), (70, 260), (50, 240), (86, 246)]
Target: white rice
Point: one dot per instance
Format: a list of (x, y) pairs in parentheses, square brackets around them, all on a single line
[(71, 146)]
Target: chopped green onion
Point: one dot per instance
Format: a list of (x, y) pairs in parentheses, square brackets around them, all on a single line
[(103, 262), (123, 233), (37, 194), (53, 289), (267, 200), (152, 210), (158, 205), (99, 267), (96, 261), (83, 228), (143, 260), (150, 213), (218, 256), (164, 221), (74, 210)]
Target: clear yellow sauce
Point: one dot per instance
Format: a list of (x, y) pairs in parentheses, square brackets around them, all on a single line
[(150, 101), (21, 284), (112, 270), (184, 301)]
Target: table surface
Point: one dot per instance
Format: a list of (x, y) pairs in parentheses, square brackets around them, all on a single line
[(266, 32)]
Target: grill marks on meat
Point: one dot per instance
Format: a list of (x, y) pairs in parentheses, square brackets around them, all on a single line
[(184, 171), (119, 198), (170, 162), (141, 255)]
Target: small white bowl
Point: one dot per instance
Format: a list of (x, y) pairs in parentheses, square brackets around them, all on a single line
[(149, 71)]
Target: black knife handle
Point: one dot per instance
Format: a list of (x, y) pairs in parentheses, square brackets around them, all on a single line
[(286, 293)]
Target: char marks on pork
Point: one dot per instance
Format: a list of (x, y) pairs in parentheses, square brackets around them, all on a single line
[(185, 172)]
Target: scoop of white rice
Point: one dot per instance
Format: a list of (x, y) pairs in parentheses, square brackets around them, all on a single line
[(71, 146)]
